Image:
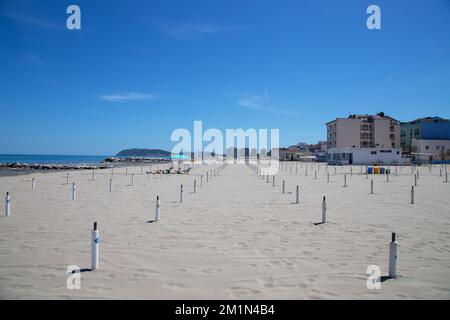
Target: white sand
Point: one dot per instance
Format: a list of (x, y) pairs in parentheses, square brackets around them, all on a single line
[(238, 237)]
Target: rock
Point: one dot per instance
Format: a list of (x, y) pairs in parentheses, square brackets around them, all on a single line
[(26, 166), (135, 160)]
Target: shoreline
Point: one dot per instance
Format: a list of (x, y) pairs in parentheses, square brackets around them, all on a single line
[(18, 169)]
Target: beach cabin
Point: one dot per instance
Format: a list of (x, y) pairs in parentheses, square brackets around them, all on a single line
[(364, 156)]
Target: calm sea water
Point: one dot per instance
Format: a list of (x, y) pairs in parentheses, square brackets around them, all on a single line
[(49, 159)]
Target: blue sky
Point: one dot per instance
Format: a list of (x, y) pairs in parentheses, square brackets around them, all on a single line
[(139, 69)]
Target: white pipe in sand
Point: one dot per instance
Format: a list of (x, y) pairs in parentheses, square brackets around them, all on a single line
[(415, 180), (446, 176), (393, 257), (181, 194), (74, 191), (157, 212), (412, 194), (267, 181), (110, 185), (283, 188), (387, 177), (324, 210), (207, 176), (7, 205), (132, 179), (95, 246), (195, 186), (33, 184), (296, 195), (201, 180), (371, 186), (328, 177), (345, 180), (93, 174), (67, 178), (273, 181)]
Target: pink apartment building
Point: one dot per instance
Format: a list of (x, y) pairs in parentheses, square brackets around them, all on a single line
[(364, 131)]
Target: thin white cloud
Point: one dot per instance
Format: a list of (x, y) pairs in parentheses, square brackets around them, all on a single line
[(254, 101), (33, 21), (262, 103), (190, 31), (31, 58), (131, 96)]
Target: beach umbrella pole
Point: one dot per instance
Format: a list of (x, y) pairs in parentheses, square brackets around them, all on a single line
[(393, 257), (7, 205), (74, 191), (95, 246), (157, 212), (324, 210)]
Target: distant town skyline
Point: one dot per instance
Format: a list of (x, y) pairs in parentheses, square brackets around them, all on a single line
[(134, 73)]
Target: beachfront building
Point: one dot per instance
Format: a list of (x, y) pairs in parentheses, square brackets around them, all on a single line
[(290, 154), (364, 156), (428, 136), (426, 150), (363, 131)]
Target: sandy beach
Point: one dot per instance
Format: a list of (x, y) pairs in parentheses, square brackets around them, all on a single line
[(238, 237)]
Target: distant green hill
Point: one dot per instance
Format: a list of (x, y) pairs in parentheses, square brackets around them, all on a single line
[(143, 153)]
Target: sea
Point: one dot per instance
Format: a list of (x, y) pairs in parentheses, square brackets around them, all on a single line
[(50, 159)]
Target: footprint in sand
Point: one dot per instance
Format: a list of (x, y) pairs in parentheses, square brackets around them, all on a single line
[(243, 291), (179, 286), (213, 270)]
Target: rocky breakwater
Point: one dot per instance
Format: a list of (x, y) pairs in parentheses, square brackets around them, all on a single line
[(27, 166), (135, 160)]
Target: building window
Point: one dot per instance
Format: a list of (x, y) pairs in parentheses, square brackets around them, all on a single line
[(427, 147), (392, 136), (373, 152)]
